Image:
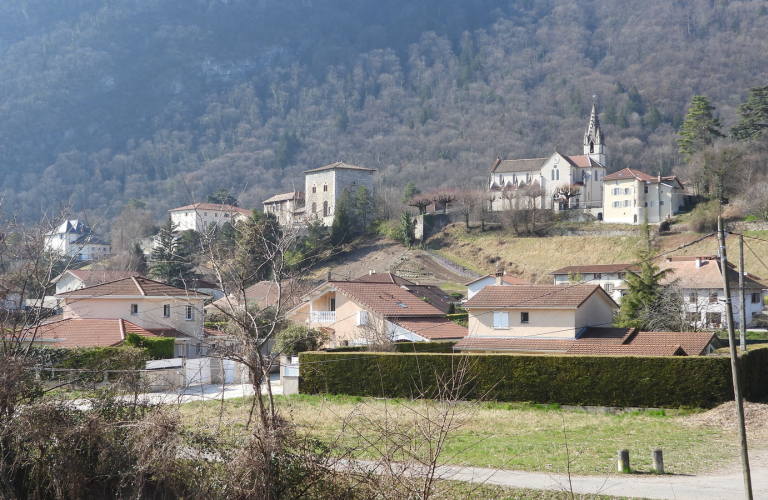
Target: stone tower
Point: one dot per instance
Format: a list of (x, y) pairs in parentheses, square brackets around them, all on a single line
[(593, 139)]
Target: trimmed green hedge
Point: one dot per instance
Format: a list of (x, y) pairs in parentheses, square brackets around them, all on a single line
[(445, 346), (754, 373), (157, 348), (671, 382)]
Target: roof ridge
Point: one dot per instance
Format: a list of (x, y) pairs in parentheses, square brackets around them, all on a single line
[(141, 289)]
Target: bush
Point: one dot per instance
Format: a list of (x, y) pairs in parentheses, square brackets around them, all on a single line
[(296, 338), (157, 348), (703, 218), (699, 382)]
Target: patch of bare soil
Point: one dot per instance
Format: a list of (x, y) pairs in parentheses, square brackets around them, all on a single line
[(724, 417)]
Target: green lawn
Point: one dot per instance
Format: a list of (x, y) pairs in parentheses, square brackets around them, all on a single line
[(517, 436)]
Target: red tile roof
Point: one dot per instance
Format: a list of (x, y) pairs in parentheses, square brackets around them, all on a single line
[(581, 161), (96, 277), (433, 328), (630, 173), (213, 207), (136, 286), (86, 332), (626, 350), (535, 296), (693, 343), (597, 268), (385, 299), (436, 296), (707, 276), (516, 344), (293, 195), (508, 166), (383, 278)]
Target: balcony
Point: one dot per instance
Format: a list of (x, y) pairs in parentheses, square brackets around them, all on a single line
[(322, 317)]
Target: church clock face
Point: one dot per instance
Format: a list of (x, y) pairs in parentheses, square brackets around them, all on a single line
[(556, 159)]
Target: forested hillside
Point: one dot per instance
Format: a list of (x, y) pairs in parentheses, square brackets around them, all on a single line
[(168, 100)]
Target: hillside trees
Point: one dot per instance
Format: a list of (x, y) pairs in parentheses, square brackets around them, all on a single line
[(753, 123), (699, 129)]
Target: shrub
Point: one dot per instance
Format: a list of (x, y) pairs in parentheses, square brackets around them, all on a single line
[(296, 338), (157, 348), (703, 218), (701, 382)]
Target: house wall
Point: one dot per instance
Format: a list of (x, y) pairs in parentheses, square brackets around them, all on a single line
[(659, 203), (150, 313), (608, 281), (201, 220), (336, 180), (64, 244), (475, 287), (284, 210), (542, 323), (68, 283), (595, 311), (702, 306)]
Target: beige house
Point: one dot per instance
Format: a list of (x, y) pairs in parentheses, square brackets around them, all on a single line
[(583, 172), (360, 313), (160, 309), (201, 217), (287, 207), (631, 195), (539, 311)]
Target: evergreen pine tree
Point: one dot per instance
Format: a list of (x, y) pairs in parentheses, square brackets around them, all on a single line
[(363, 209), (410, 191), (342, 229), (169, 262), (754, 116), (699, 129)]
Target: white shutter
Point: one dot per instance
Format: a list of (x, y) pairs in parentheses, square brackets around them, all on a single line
[(501, 320), (362, 318)]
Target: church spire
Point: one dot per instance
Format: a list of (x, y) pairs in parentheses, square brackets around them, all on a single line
[(593, 138)]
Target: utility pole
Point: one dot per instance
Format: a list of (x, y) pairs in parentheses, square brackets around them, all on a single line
[(734, 360), (742, 302)]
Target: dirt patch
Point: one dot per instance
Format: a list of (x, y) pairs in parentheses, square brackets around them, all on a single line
[(724, 417)]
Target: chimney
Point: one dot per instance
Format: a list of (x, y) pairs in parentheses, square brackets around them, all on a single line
[(371, 272), (329, 276), (499, 278), (698, 262)]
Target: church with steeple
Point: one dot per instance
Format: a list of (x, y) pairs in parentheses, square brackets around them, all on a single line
[(559, 181)]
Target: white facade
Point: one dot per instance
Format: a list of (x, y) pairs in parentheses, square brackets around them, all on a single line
[(75, 240), (611, 281), (288, 208), (631, 196), (203, 217), (505, 280)]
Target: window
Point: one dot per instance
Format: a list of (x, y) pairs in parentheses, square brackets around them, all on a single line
[(362, 318), (134, 309), (557, 175), (714, 318), (598, 276), (645, 189), (617, 183), (523, 317), (755, 298), (646, 204), (314, 189), (332, 304), (205, 214), (693, 297), (616, 204), (626, 203), (591, 147), (608, 287), (501, 319), (178, 350), (661, 202), (314, 207), (713, 297), (622, 275), (651, 204), (326, 212), (626, 190), (190, 313), (216, 214), (325, 188), (167, 311), (553, 175), (616, 191)]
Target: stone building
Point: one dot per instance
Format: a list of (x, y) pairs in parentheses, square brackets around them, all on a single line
[(287, 207), (324, 185)]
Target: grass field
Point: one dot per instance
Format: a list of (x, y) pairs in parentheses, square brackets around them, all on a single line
[(535, 258), (520, 437)]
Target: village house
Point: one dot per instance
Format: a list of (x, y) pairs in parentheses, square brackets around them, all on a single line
[(700, 281), (608, 276), (360, 313), (288, 208), (430, 294), (77, 241), (75, 279), (160, 309), (324, 185), (632, 197), (574, 319), (582, 172), (202, 217), (502, 279)]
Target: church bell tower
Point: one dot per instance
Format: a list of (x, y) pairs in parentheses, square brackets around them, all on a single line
[(593, 139)]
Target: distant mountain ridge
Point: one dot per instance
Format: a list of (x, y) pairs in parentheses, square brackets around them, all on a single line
[(167, 101)]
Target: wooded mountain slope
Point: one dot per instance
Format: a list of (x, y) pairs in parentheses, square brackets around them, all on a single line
[(167, 100)]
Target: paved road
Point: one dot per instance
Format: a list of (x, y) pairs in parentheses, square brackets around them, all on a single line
[(699, 487), (208, 392)]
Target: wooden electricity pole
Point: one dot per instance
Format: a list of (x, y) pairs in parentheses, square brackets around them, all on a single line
[(742, 302), (734, 360)]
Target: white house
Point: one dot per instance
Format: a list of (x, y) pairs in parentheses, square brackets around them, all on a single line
[(631, 196), (75, 279), (478, 284), (201, 217), (287, 207), (608, 276), (75, 240), (700, 280), (582, 172)]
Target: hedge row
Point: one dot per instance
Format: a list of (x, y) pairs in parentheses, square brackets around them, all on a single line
[(446, 346), (671, 382)]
